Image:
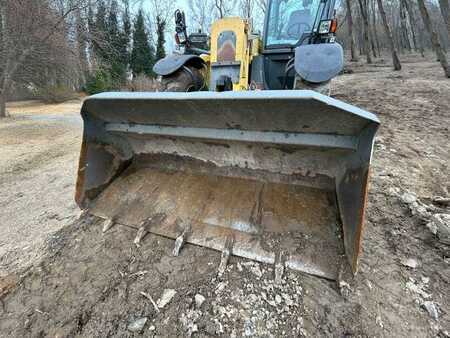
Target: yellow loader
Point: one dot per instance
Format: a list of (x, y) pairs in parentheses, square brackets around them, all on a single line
[(231, 154)]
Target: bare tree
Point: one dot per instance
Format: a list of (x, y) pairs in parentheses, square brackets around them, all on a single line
[(262, 5), (162, 8), (28, 39), (161, 11), (247, 7), (445, 11), (374, 25), (371, 33), (404, 31), (82, 45), (359, 33), (253, 10), (440, 53), (201, 13), (2, 60), (390, 40), (224, 8), (412, 20), (365, 19), (350, 31), (220, 4)]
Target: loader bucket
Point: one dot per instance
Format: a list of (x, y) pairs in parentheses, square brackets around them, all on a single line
[(273, 176)]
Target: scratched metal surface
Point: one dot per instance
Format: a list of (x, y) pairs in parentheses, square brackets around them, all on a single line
[(311, 154), (263, 218)]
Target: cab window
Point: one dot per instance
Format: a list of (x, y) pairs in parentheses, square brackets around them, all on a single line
[(289, 20)]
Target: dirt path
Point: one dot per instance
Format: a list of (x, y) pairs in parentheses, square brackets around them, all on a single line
[(38, 155), (89, 284)]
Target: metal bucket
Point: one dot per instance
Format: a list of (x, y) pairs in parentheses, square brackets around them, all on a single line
[(273, 176)]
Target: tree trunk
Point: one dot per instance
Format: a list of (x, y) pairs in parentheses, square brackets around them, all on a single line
[(2, 104), (421, 43), (413, 20), (219, 7), (82, 49), (350, 31), (395, 31), (440, 53), (412, 23), (445, 11), (371, 36), (404, 28), (360, 35), (366, 45), (395, 59), (374, 23)]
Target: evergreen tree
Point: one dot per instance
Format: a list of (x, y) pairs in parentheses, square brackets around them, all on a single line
[(115, 61), (113, 25), (160, 28), (126, 21), (142, 57), (100, 33)]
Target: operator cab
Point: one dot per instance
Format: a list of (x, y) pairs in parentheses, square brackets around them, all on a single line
[(288, 21), (289, 24)]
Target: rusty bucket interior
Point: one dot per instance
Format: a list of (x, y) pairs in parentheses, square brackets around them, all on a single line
[(268, 175)]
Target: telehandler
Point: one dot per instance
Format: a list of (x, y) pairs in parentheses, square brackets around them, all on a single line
[(231, 154)]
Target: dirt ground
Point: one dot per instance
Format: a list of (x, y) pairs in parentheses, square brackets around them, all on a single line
[(38, 150), (61, 277)]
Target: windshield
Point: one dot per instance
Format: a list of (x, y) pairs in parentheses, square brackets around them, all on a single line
[(289, 20)]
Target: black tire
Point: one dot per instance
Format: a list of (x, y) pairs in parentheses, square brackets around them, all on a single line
[(322, 88), (186, 79)]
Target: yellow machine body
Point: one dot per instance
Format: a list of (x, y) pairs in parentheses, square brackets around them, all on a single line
[(233, 46)]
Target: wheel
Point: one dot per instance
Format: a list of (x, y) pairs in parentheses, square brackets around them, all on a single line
[(186, 79), (322, 88)]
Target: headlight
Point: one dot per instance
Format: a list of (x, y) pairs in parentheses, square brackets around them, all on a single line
[(324, 27)]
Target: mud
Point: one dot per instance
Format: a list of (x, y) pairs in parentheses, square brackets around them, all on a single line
[(61, 277)]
